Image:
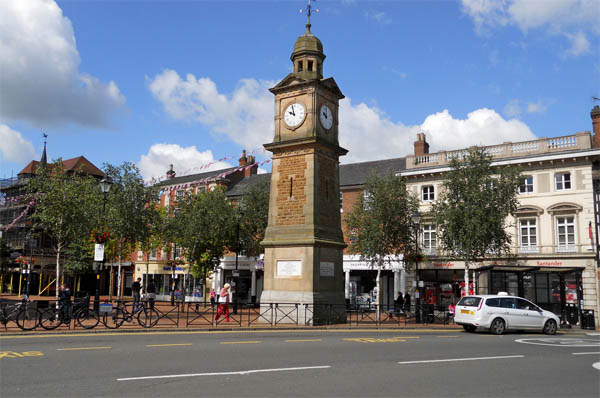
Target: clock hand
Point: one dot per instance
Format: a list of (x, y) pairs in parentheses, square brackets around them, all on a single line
[(293, 113), (325, 114)]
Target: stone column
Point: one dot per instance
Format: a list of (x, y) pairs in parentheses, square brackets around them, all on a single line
[(397, 287), (403, 280), (253, 287), (347, 285)]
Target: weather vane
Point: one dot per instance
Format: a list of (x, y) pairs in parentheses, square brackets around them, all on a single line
[(45, 136), (309, 12)]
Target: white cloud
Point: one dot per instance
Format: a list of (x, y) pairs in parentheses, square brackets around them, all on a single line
[(40, 81), (513, 108), (14, 147), (557, 17), (378, 16), (245, 116), (185, 160), (536, 107)]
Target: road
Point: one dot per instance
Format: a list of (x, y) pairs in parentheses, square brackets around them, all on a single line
[(424, 363)]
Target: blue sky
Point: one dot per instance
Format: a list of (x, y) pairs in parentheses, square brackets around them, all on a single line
[(185, 82)]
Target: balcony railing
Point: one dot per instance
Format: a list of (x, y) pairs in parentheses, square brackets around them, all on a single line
[(528, 249), (506, 150)]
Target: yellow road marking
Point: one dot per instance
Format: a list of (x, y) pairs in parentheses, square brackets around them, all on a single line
[(302, 341), (168, 345), (265, 330), (399, 339), (13, 354), (240, 342), (83, 348)]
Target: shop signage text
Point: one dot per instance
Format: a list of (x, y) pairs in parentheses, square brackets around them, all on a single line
[(443, 265), (548, 263), (169, 268)]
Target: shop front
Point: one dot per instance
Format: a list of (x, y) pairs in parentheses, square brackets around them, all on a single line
[(245, 277), (171, 280), (361, 281)]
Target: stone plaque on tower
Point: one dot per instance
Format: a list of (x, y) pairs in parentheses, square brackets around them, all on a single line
[(304, 241)]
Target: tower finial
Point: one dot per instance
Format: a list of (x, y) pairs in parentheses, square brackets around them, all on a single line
[(44, 160), (309, 12)]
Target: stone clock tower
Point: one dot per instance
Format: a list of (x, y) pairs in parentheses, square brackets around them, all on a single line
[(304, 241)]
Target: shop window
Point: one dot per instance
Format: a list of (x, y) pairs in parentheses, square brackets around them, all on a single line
[(565, 234), (562, 181), (528, 235), (428, 193), (429, 240), (367, 200), (526, 186)]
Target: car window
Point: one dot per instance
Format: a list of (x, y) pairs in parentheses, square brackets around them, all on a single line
[(507, 303), (493, 302), (526, 305), (470, 301)]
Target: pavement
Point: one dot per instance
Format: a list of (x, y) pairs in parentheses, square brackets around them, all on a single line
[(427, 362)]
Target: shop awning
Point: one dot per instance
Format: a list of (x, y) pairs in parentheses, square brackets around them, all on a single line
[(508, 268)]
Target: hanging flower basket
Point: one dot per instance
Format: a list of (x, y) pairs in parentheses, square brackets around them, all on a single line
[(100, 236)]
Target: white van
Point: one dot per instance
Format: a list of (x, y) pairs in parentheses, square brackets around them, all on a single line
[(502, 312)]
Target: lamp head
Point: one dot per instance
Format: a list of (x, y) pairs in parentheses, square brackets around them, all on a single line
[(415, 217), (105, 184)]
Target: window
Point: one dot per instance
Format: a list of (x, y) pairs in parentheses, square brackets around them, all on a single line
[(179, 194), (507, 303), (428, 193), (429, 239), (310, 66), (167, 199), (299, 66), (494, 302), (153, 254), (367, 199), (140, 255), (469, 301), (527, 185), (562, 181), (565, 234), (528, 232), (525, 305)]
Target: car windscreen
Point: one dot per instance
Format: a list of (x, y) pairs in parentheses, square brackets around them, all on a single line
[(469, 301)]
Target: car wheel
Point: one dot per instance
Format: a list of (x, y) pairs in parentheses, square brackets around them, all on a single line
[(469, 328), (497, 326), (550, 327)]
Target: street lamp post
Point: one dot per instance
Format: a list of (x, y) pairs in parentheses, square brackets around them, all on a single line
[(416, 218), (30, 239), (105, 185), (237, 250)]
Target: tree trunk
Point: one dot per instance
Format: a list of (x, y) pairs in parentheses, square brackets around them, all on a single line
[(466, 278), (58, 248), (377, 297), (119, 271), (112, 282)]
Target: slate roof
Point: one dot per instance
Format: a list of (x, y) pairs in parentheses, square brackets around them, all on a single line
[(241, 187), (194, 177), (79, 163), (354, 174)]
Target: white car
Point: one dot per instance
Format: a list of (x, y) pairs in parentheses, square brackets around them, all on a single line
[(502, 312)]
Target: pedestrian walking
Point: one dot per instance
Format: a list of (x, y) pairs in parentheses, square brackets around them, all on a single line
[(407, 302), (223, 303), (399, 304), (213, 296), (136, 288)]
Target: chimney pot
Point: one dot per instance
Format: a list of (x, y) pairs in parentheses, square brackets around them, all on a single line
[(421, 145), (595, 115)]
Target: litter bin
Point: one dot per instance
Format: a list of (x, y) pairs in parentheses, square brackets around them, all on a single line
[(572, 316), (587, 320)]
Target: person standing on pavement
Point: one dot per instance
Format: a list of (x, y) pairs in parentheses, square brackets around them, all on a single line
[(136, 287), (151, 292), (64, 299), (399, 304), (407, 302), (223, 303), (213, 295)]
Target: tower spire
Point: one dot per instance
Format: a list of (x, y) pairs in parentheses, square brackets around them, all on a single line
[(44, 159), (309, 12)]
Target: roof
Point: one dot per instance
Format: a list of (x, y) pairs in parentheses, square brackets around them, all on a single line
[(245, 183), (79, 163), (195, 177), (357, 173)]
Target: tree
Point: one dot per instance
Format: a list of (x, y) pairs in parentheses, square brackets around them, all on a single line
[(472, 211), (129, 210), (65, 206), (4, 256), (254, 217), (380, 222), (204, 226)]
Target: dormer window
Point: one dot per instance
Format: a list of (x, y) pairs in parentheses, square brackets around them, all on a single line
[(299, 66), (310, 66)]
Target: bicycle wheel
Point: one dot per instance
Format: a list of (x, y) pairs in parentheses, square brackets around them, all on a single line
[(87, 319), (113, 319), (147, 318), (50, 319), (28, 318)]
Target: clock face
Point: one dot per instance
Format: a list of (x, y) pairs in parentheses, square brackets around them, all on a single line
[(294, 115), (326, 117)]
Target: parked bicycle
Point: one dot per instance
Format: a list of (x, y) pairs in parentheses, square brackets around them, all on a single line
[(146, 317), (80, 312), (24, 313)]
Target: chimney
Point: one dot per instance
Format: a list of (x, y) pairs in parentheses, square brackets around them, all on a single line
[(243, 159), (595, 115), (253, 169), (421, 146), (170, 172)]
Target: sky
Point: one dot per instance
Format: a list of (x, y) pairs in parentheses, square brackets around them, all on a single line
[(186, 82)]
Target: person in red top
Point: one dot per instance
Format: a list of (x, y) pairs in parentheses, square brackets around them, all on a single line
[(223, 303)]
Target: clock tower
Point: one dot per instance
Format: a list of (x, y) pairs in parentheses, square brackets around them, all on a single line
[(304, 242)]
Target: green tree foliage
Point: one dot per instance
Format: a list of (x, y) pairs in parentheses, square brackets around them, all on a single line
[(379, 225), (79, 255), (66, 205), (130, 208), (204, 225), (4, 256), (472, 211), (254, 216)]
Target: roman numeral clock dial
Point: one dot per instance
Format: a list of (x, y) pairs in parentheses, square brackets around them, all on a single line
[(294, 115), (326, 117)]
